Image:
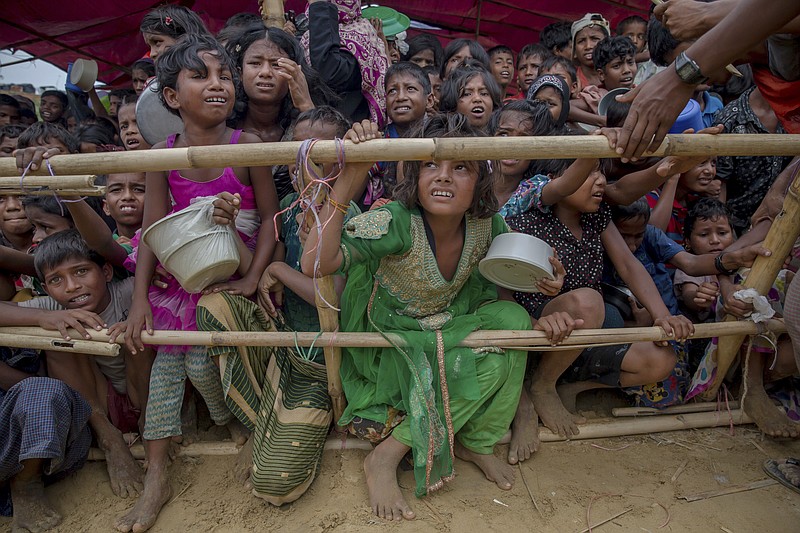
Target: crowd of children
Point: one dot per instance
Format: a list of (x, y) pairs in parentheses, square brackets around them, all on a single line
[(402, 240)]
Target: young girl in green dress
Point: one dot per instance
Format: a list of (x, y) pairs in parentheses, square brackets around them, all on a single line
[(411, 270)]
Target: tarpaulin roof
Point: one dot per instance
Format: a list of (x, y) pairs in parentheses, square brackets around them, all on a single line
[(108, 31)]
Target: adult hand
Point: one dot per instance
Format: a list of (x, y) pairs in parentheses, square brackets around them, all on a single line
[(77, 319), (655, 105), (226, 207), (744, 257), (298, 86), (557, 326), (685, 19)]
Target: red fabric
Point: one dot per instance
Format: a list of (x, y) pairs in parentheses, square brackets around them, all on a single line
[(121, 412), (783, 97), (60, 32)]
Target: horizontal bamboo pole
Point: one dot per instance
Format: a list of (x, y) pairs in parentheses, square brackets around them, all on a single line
[(54, 182), (470, 148), (596, 429), (699, 407), (502, 338), (66, 193), (38, 342)]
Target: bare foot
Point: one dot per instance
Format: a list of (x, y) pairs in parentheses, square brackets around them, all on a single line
[(239, 433), (568, 393), (124, 472), (244, 465), (32, 512), (767, 416), (155, 496), (553, 413), (380, 468), (524, 431), (493, 468)]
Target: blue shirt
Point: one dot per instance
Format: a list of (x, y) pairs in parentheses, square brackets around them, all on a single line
[(655, 251), (711, 104)]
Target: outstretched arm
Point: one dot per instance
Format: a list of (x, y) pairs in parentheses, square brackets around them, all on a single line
[(95, 232)]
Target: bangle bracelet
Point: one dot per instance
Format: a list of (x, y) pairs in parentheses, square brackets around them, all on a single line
[(720, 268), (339, 207)]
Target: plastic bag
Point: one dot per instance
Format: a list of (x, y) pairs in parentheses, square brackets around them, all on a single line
[(192, 247)]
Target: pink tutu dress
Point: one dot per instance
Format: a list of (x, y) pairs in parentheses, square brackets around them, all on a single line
[(174, 308)]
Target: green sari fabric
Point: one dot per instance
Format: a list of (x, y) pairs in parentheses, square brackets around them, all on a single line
[(394, 286)]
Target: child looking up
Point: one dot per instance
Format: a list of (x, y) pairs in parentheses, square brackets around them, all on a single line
[(501, 61), (615, 61), (552, 90), (529, 64), (472, 92), (586, 33), (443, 212), (196, 80), (141, 71), (408, 96)]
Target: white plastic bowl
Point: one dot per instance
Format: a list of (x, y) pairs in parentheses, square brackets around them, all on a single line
[(517, 261), (83, 74), (196, 255)]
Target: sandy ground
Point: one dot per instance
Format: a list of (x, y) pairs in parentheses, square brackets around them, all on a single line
[(565, 479)]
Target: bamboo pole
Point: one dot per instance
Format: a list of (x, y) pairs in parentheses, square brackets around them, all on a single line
[(699, 407), (53, 182), (500, 338), (15, 340), (471, 148), (272, 13), (781, 237), (325, 296), (66, 193)]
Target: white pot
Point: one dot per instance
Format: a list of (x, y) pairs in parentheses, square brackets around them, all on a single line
[(517, 261)]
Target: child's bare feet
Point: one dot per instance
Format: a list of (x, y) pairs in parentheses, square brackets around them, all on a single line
[(155, 495), (767, 416), (239, 433), (524, 431), (380, 468), (124, 472), (568, 393), (493, 468), (244, 465), (553, 413), (32, 511)]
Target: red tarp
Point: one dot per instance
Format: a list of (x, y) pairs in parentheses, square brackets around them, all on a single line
[(108, 32)]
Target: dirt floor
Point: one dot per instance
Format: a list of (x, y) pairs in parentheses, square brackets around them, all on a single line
[(567, 480)]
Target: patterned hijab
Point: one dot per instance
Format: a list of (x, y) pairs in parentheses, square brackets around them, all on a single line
[(357, 36), (559, 84)]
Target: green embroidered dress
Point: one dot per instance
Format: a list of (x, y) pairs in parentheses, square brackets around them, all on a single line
[(394, 286)]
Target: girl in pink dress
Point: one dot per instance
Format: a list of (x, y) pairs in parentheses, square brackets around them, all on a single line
[(196, 78)]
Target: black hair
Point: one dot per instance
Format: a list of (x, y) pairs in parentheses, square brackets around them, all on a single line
[(323, 114), (638, 209), (612, 48), (320, 93), (706, 208), (660, 42), (499, 49), (61, 95), (432, 70), (425, 41), (6, 99), (633, 19), (475, 49), (242, 20), (454, 86), (25, 102), (413, 70), (40, 133), (556, 167), (534, 49), (537, 115), (616, 113), (122, 93), (173, 21), (146, 65), (559, 84), (735, 86), (60, 247), (444, 125), (94, 133), (556, 36), (554, 60), (11, 131), (185, 55)]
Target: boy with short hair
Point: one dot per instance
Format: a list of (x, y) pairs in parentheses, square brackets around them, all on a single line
[(635, 29), (81, 296), (557, 38), (129, 133), (615, 61), (408, 95), (501, 64), (48, 137), (529, 63), (564, 68), (8, 139), (435, 77), (9, 110), (52, 106)]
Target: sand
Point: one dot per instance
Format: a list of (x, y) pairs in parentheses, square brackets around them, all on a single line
[(564, 478)]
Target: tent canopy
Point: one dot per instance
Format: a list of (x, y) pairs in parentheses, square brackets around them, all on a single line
[(108, 31)]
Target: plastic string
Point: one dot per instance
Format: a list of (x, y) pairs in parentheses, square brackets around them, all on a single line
[(59, 200)]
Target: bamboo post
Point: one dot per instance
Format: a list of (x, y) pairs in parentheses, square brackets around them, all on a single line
[(471, 148), (53, 182), (781, 237), (67, 193), (272, 13), (513, 339), (15, 340), (325, 296)]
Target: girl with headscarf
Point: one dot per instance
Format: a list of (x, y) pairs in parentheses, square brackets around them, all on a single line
[(349, 55), (554, 91)]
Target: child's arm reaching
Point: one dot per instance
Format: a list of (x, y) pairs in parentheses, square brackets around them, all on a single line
[(347, 186), (16, 261), (569, 182), (95, 232), (661, 214), (706, 264)]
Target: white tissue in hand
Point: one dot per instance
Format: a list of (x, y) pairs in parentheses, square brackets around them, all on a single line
[(762, 311)]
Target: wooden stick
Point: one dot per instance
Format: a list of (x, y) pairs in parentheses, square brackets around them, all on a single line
[(780, 239), (58, 182), (272, 13), (607, 520), (679, 471), (59, 345), (729, 490), (66, 193), (471, 148), (701, 407), (500, 338)]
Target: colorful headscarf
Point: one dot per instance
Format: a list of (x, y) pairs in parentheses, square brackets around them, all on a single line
[(559, 84), (358, 37)]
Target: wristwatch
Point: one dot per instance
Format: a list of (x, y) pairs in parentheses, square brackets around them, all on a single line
[(688, 70)]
